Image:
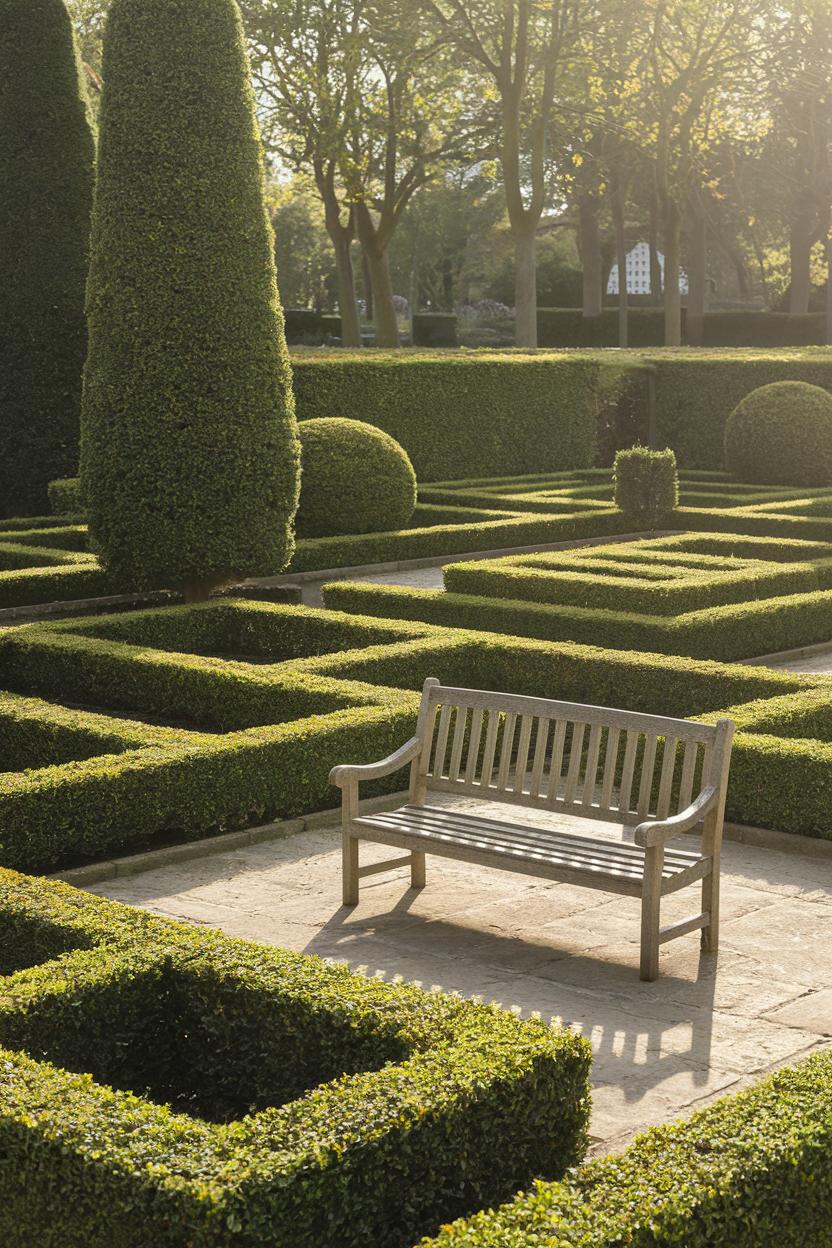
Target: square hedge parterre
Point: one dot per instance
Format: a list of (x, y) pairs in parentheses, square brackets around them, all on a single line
[(169, 1086), (707, 595)]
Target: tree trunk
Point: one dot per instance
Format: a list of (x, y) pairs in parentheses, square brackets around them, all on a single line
[(342, 237), (697, 249), (672, 292), (655, 265), (589, 245), (618, 208), (347, 301), (369, 309), (800, 251), (828, 334), (386, 323), (525, 288)]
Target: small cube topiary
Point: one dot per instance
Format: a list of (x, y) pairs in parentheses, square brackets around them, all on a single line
[(65, 498), (781, 434), (646, 484), (355, 479)]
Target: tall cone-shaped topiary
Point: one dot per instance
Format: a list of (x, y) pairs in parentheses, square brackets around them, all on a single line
[(189, 449), (47, 155)]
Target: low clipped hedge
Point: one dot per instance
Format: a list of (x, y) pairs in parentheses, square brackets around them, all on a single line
[(88, 783), (725, 633), (777, 781), (609, 578), (436, 529), (355, 479), (42, 920), (250, 740), (598, 596), (752, 1170), (241, 1095)]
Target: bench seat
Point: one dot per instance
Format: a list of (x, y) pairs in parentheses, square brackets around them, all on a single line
[(611, 865)]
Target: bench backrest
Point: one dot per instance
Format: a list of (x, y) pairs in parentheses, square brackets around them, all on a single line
[(587, 760)]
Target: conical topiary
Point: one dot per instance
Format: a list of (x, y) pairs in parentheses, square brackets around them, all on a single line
[(189, 456), (47, 155)]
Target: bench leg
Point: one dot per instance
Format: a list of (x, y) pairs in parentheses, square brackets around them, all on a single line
[(710, 905), (350, 869), (417, 869), (650, 904)]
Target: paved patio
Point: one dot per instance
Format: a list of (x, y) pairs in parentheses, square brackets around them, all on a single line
[(707, 1026)]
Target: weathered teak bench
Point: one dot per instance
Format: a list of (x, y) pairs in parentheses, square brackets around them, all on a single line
[(586, 763)]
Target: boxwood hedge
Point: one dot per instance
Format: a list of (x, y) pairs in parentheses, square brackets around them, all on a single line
[(173, 1086), (750, 1171), (237, 711), (704, 595), (512, 412)]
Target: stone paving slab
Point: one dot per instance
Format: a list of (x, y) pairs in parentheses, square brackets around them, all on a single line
[(707, 1026)]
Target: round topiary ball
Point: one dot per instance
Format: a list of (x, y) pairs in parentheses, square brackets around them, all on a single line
[(354, 479), (781, 434)]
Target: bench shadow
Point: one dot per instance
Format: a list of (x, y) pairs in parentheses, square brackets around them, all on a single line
[(629, 1023)]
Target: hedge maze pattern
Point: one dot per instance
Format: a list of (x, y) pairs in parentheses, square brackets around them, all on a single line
[(265, 1097)]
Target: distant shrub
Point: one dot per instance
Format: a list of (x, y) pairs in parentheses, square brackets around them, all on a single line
[(646, 484), (781, 434), (434, 329), (485, 310), (355, 479)]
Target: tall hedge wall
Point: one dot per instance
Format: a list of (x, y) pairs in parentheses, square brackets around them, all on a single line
[(463, 415), (47, 154), (697, 390), (189, 462)]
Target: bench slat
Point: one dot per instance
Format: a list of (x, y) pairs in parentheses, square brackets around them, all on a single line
[(441, 741), (506, 748), (474, 745), (593, 750), (522, 762), (459, 738), (490, 747), (575, 758), (627, 773), (557, 760), (688, 769), (438, 820), (610, 762), (666, 780), (539, 763), (648, 762)]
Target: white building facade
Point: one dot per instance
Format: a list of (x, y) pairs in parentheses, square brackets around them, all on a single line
[(638, 273)]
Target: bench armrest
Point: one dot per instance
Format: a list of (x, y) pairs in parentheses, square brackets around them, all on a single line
[(658, 831), (354, 773)]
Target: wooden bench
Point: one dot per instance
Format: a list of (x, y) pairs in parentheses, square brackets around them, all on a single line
[(650, 776)]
